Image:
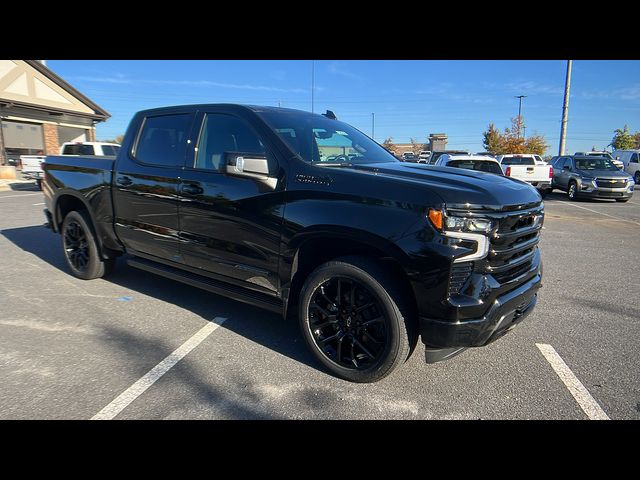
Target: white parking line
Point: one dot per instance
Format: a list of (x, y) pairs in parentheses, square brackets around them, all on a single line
[(134, 391), (14, 196), (605, 214), (38, 204), (576, 388)]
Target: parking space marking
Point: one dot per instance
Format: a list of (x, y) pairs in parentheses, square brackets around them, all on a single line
[(38, 204), (576, 388), (134, 391), (23, 195), (605, 214)]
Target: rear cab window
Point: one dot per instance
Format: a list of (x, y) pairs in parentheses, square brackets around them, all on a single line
[(518, 161), (162, 141)]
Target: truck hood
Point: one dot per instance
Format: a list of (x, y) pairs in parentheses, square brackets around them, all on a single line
[(457, 186)]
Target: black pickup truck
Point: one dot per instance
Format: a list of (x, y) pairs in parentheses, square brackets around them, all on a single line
[(367, 252)]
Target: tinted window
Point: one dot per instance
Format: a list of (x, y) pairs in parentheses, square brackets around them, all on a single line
[(634, 158), (518, 161), (110, 150), (163, 140), (566, 163), (594, 163), (480, 165), (222, 134), (78, 149)]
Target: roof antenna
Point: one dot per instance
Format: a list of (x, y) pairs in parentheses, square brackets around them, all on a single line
[(330, 114)]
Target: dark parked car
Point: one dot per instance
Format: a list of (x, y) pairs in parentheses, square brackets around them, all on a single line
[(589, 176), (366, 252)]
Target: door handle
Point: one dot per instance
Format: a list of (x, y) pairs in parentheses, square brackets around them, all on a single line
[(124, 181), (191, 189)]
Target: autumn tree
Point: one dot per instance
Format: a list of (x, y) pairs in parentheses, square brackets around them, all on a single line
[(511, 141), (389, 145)]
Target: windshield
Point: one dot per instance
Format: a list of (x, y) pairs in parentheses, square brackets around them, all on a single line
[(480, 165), (318, 139), (518, 161), (595, 163)]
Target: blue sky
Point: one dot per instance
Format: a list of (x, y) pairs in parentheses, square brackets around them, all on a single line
[(409, 98)]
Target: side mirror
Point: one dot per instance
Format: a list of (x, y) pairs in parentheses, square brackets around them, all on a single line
[(249, 165)]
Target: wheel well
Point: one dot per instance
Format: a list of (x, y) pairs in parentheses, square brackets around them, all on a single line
[(314, 253), (66, 204)]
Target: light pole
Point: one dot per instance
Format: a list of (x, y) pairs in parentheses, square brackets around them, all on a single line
[(520, 112), (565, 109)]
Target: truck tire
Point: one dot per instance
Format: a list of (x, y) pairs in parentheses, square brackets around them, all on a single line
[(356, 320), (81, 249), (572, 191)]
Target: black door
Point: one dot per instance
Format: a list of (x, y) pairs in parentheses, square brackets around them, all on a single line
[(146, 182), (230, 226)]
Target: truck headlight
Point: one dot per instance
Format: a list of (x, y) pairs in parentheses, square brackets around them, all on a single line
[(464, 228)]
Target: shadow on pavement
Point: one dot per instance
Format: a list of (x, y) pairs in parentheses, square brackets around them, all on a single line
[(260, 326)]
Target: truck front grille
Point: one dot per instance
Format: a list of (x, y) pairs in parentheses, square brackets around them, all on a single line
[(513, 245)]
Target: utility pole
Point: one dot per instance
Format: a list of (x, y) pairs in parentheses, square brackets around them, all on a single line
[(520, 112), (373, 126), (565, 109)]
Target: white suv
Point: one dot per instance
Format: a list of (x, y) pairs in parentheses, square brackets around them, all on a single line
[(631, 162)]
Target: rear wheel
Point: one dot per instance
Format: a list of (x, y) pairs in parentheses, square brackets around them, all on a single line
[(355, 320), (637, 177), (81, 249), (572, 191)]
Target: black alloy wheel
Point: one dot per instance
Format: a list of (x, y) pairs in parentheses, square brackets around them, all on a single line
[(358, 318), (76, 246), (81, 249), (348, 323)]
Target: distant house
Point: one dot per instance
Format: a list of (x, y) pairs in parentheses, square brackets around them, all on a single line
[(39, 111)]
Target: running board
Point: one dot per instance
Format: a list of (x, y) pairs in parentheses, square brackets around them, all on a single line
[(214, 286)]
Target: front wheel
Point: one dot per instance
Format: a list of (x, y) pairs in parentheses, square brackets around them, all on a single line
[(81, 249), (637, 177), (355, 320)]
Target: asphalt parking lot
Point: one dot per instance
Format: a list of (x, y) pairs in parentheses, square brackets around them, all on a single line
[(69, 348)]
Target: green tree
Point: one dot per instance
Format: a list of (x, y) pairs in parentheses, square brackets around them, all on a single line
[(492, 140), (622, 139)]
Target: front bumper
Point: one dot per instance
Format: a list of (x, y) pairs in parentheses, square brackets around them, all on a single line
[(506, 311), (589, 191)]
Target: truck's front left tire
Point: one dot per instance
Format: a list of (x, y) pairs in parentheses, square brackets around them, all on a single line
[(81, 248), (356, 320)]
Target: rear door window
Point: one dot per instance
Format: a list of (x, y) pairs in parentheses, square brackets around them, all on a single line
[(518, 161), (163, 140)]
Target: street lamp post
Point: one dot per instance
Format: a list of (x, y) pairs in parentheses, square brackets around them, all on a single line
[(520, 112)]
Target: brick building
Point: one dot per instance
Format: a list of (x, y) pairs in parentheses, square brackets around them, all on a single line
[(39, 111)]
